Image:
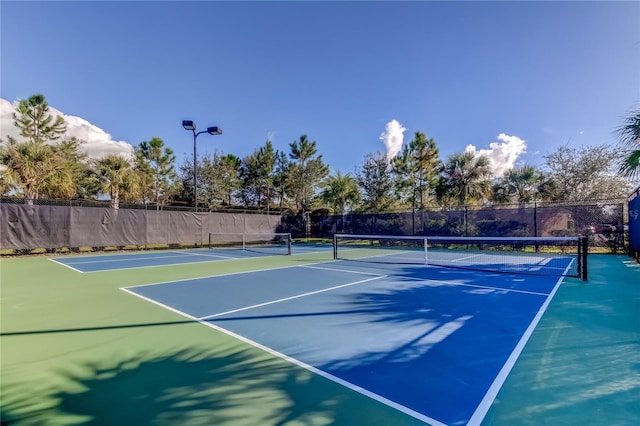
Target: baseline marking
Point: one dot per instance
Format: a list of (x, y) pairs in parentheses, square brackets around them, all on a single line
[(67, 266), (222, 259), (134, 258), (204, 255)]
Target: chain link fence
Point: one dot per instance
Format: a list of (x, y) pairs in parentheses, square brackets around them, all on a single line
[(602, 222), (54, 224), (85, 225)]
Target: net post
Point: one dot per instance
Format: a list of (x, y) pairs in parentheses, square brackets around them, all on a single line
[(335, 246), (210, 245), (289, 244), (584, 248)]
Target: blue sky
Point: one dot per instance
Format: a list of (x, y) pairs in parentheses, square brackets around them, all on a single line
[(540, 74)]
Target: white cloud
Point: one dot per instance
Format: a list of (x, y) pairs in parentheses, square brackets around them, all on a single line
[(502, 155), (98, 143), (392, 137)]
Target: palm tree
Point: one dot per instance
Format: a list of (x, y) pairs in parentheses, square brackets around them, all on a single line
[(119, 180), (630, 137), (340, 191), (44, 170), (6, 183), (29, 165), (466, 177), (36, 166), (72, 174), (519, 184)]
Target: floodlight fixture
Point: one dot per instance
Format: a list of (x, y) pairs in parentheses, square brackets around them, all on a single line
[(190, 125)]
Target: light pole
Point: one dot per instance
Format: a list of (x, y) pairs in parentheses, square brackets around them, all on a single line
[(190, 125)]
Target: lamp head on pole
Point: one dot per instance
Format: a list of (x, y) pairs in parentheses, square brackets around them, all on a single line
[(214, 130), (188, 125)]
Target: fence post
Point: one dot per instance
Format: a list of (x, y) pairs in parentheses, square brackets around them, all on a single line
[(535, 223), (466, 222), (413, 219), (535, 219), (584, 244)]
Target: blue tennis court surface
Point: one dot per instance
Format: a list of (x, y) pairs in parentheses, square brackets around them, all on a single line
[(99, 263), (435, 343)]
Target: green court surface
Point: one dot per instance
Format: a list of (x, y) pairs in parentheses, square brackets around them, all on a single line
[(75, 349)]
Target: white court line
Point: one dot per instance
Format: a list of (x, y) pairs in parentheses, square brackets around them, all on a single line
[(307, 367), (65, 265), (214, 258), (290, 298), (161, 265), (213, 255), (464, 258), (106, 258), (458, 284), (492, 392), (135, 258), (348, 271), (451, 283), (233, 273), (155, 302), (335, 379), (296, 252), (388, 255), (540, 265), (482, 407)]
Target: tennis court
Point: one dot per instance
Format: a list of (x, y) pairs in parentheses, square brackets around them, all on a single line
[(240, 337), (100, 263), (439, 343)]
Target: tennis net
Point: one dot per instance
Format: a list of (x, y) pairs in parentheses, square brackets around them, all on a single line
[(269, 243), (556, 256)]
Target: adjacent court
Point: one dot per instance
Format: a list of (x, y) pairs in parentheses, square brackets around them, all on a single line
[(100, 263)]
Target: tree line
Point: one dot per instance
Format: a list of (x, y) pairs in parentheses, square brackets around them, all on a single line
[(45, 163)]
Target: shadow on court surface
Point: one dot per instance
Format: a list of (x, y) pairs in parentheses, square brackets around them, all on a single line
[(185, 387), (580, 367), (106, 327)]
